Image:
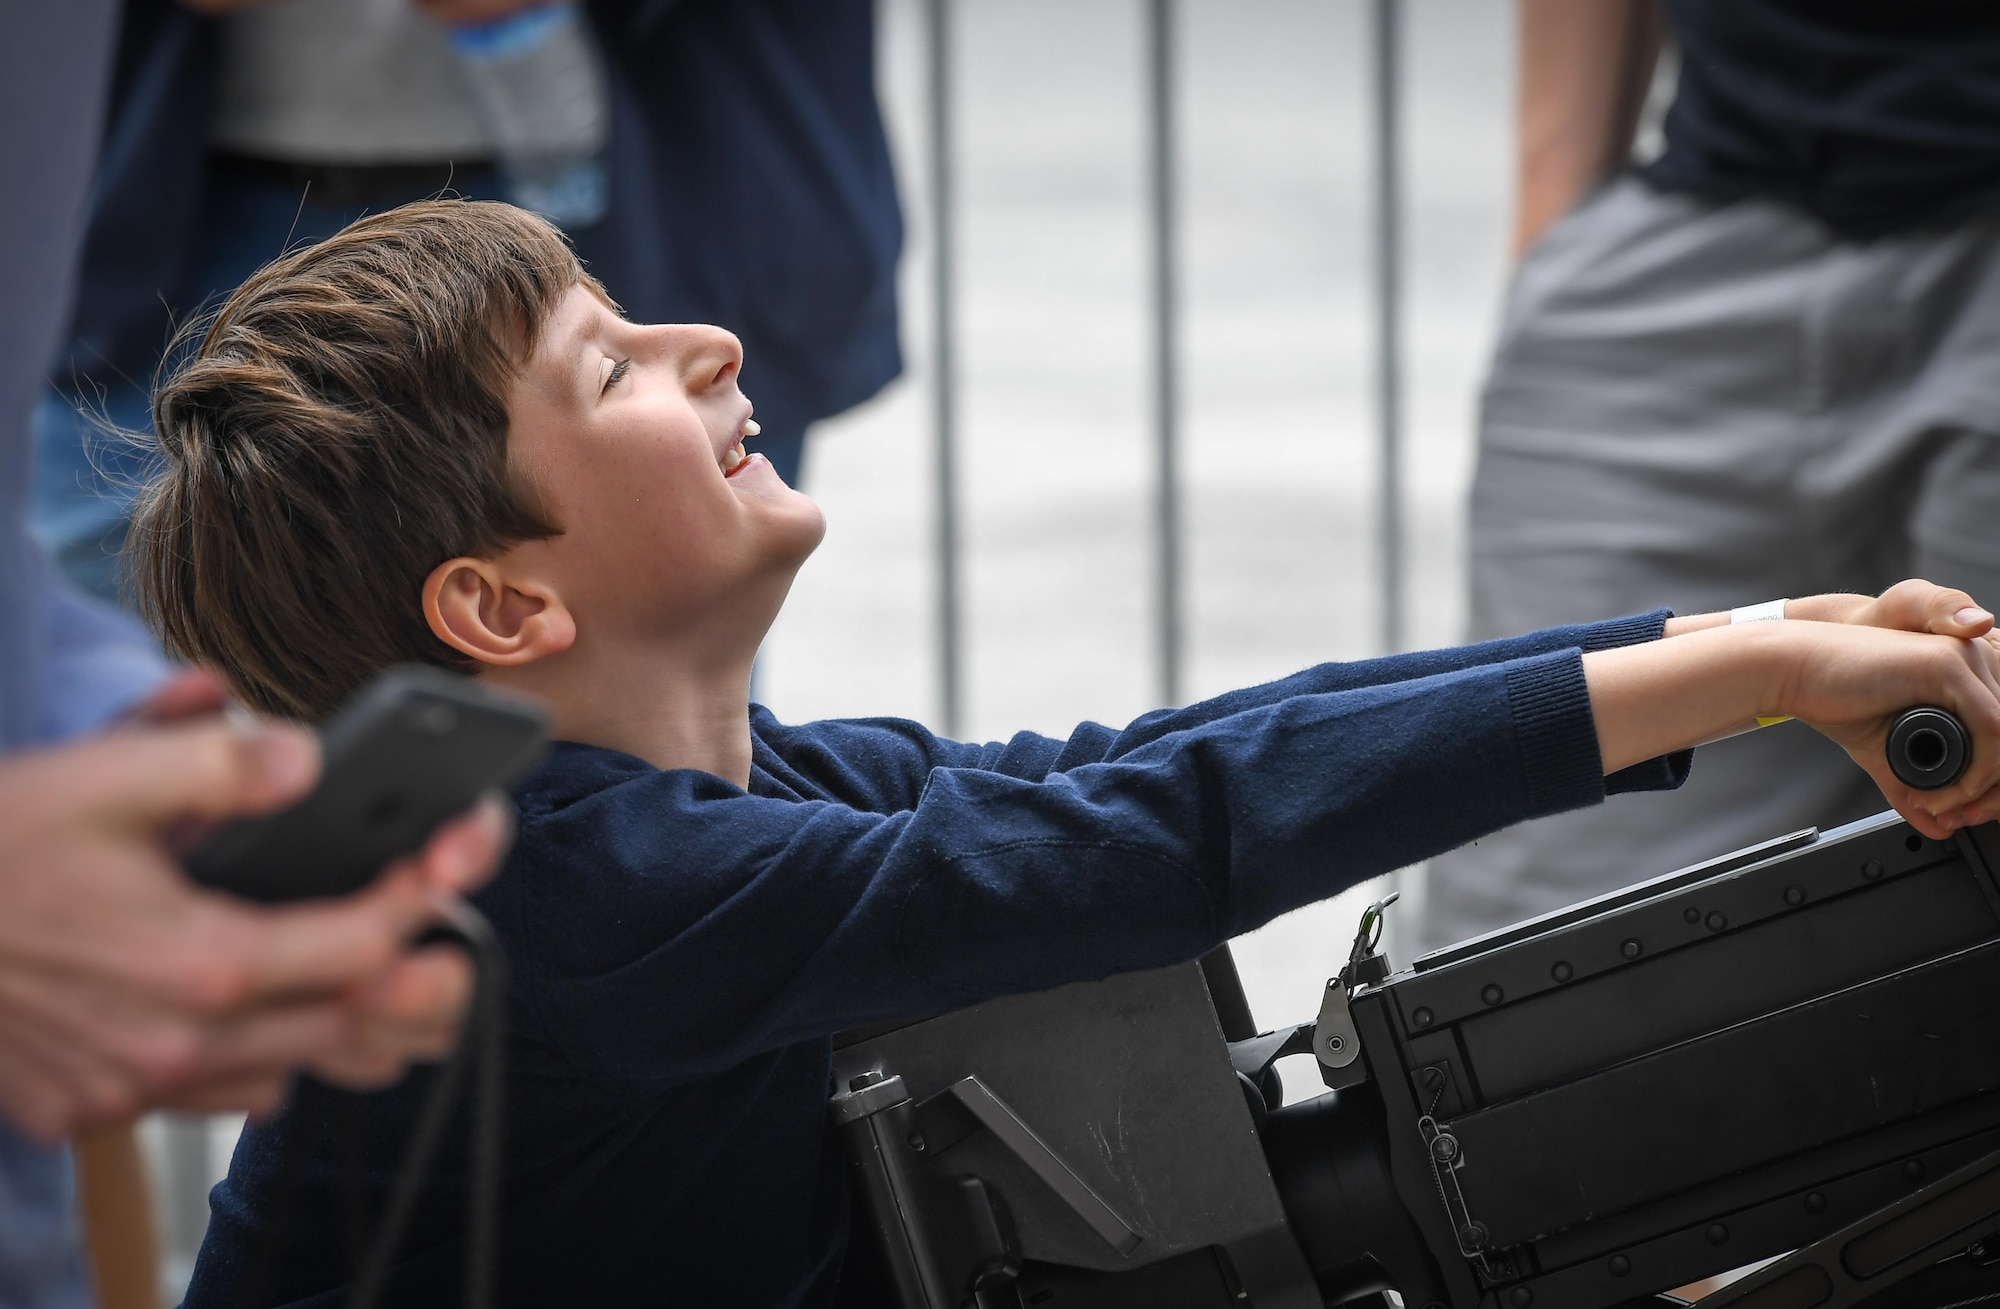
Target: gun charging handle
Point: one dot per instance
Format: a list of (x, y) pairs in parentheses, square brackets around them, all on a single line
[(1928, 747)]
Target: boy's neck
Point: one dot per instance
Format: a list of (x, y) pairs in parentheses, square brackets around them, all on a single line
[(671, 712)]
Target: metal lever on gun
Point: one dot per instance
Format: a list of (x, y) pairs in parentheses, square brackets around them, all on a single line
[(1928, 747)]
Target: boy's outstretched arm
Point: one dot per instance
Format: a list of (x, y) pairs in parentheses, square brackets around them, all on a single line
[(1847, 681)]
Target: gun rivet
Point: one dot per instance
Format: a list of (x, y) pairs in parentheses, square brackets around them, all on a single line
[(1520, 1297), (1872, 869), (1630, 949), (917, 1142), (1492, 994), (1692, 914), (1444, 1147), (1815, 1202), (1717, 1233), (1795, 896), (1335, 1043), (1619, 1265), (862, 1081), (1562, 971), (1914, 1170), (1716, 922), (1472, 1236), (1422, 1017)]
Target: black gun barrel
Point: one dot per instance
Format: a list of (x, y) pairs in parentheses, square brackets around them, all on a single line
[(1928, 747)]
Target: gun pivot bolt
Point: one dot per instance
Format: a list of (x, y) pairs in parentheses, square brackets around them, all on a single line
[(1562, 972), (1872, 869), (1716, 1233), (1691, 914), (1716, 921), (917, 1142), (1795, 896), (1520, 1297), (1619, 1265), (1472, 1236), (1815, 1202), (1444, 1147), (1422, 1018), (1631, 949), (1335, 1043), (862, 1081), (1492, 995)]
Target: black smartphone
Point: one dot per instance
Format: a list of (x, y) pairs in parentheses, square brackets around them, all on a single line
[(413, 749)]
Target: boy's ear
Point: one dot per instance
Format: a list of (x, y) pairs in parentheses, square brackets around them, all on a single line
[(473, 606)]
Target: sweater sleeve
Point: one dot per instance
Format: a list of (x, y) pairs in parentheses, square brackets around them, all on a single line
[(898, 755), (674, 926)]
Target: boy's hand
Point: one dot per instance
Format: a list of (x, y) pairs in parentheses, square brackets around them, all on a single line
[(1850, 682), (1911, 606)]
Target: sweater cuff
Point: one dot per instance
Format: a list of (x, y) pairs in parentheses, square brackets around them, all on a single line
[(1636, 630), (1556, 732), (1663, 773)]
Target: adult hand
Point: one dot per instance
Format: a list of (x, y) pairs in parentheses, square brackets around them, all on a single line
[(123, 985)]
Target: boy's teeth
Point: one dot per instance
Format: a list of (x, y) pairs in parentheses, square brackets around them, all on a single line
[(750, 428)]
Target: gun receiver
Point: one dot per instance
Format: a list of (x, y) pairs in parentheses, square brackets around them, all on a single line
[(1797, 1043)]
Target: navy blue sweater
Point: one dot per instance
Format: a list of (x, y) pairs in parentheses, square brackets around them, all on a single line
[(684, 949)]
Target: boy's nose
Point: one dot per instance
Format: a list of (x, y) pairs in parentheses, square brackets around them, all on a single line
[(709, 357)]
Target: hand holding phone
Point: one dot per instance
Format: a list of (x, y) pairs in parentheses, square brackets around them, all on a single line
[(416, 747)]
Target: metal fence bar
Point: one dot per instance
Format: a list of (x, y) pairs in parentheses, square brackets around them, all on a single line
[(1160, 18), (1388, 252), (944, 386)]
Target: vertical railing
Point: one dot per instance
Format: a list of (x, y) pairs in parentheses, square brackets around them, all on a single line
[(944, 386), (1386, 231), (1387, 78), (1399, 931), (1166, 349)]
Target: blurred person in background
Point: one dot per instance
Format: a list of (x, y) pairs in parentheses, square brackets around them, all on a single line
[(749, 185), (122, 986), (1765, 364)]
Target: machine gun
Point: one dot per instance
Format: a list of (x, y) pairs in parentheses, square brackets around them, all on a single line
[(1791, 1052)]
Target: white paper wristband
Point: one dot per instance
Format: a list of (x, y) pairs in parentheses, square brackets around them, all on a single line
[(1769, 611)]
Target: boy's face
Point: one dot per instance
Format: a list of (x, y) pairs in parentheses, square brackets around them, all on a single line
[(630, 437)]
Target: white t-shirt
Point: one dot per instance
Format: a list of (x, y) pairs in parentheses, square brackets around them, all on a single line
[(343, 82)]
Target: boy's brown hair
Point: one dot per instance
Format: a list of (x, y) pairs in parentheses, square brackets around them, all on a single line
[(341, 430)]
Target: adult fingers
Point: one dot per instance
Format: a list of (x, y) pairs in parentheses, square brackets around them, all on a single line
[(463, 853), (144, 779), (187, 694), (263, 953), (255, 1094)]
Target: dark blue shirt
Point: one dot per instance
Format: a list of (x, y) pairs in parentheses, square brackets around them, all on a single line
[(1871, 117), (683, 950)]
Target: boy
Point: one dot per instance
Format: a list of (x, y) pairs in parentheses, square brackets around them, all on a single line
[(432, 437)]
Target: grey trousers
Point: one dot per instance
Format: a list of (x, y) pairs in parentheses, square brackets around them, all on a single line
[(1705, 406)]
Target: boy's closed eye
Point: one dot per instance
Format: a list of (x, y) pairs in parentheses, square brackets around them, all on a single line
[(616, 375)]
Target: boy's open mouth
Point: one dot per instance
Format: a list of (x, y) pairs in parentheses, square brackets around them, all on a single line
[(735, 459)]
